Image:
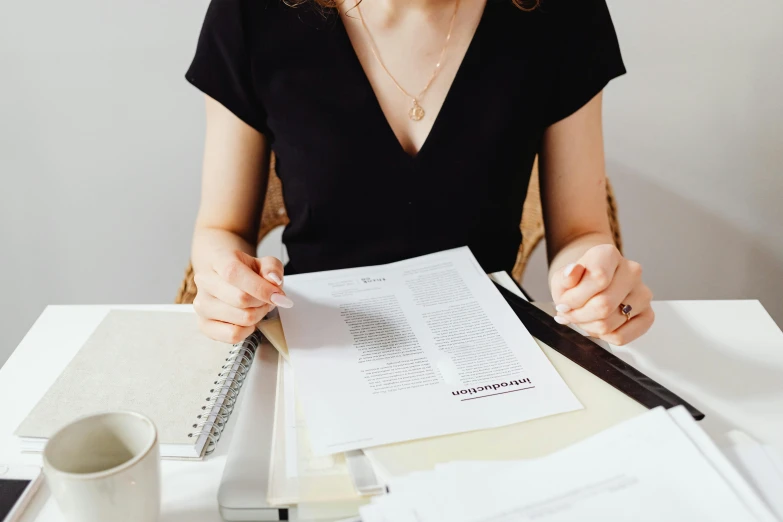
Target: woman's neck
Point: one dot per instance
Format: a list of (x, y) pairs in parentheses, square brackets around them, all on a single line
[(388, 12), (409, 4)]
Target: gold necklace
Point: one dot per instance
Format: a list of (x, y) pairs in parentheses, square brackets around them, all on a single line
[(415, 112)]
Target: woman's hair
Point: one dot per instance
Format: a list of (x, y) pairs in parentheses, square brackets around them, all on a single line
[(524, 5)]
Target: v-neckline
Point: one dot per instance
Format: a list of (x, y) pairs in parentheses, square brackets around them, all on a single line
[(450, 93)]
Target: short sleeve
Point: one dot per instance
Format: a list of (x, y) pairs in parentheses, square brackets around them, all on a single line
[(586, 56), (221, 68)]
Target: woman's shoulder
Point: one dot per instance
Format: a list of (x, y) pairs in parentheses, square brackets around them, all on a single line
[(565, 9), (265, 20), (550, 27), (551, 20)]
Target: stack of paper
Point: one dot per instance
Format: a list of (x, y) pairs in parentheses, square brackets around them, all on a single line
[(413, 349), (298, 477), (658, 466), (422, 362), (418, 348), (761, 465)]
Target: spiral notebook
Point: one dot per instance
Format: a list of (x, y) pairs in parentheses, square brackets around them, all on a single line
[(155, 363)]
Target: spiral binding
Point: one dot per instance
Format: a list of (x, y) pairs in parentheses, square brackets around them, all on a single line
[(224, 393)]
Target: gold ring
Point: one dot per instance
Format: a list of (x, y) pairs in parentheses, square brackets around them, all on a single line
[(626, 309)]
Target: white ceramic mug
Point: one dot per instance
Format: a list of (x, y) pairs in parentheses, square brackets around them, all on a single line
[(105, 467)]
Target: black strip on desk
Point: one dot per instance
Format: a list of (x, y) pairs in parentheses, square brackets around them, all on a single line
[(593, 358)]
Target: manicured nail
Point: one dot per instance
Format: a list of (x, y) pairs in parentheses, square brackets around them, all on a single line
[(275, 278), (563, 308), (568, 269), (561, 320), (281, 301)]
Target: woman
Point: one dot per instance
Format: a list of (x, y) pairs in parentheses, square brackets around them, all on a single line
[(404, 127)]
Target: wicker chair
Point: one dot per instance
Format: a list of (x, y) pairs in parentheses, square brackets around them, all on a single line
[(532, 226)]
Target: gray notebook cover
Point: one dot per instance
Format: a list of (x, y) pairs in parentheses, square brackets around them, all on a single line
[(155, 363)]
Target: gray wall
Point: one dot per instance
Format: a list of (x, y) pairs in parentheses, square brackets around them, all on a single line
[(100, 149), (100, 152), (694, 147)]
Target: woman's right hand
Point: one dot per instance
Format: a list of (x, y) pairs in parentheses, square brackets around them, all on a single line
[(236, 292)]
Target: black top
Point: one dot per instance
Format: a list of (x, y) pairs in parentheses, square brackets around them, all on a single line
[(353, 195)]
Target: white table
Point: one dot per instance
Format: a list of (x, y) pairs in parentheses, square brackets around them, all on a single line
[(726, 357)]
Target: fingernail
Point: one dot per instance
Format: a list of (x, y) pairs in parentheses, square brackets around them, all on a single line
[(275, 278), (563, 308), (281, 301), (561, 320), (568, 269)]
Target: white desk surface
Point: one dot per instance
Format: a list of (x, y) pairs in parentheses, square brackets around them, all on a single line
[(726, 357)]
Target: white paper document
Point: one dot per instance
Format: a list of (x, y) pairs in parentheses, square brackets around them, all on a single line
[(654, 467), (761, 465), (300, 462), (413, 349), (291, 436)]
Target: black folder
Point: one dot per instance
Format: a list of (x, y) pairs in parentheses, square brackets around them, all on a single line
[(593, 358)]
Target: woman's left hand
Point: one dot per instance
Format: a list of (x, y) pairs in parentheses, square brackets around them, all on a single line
[(592, 292)]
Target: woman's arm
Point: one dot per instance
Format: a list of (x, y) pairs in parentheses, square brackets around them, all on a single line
[(588, 276), (573, 186), (234, 178), (235, 289)]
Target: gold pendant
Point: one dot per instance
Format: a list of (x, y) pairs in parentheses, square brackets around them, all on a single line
[(416, 112)]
